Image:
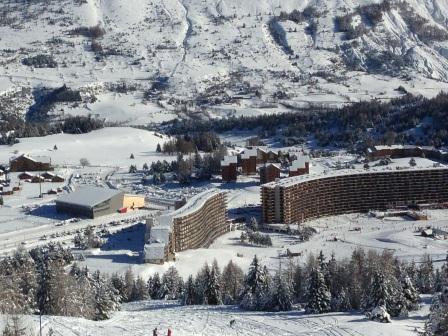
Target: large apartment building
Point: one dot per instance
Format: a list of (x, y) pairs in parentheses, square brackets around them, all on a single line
[(298, 199), (197, 224)]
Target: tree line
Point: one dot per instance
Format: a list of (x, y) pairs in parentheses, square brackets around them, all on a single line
[(15, 128), (37, 282), (354, 126)]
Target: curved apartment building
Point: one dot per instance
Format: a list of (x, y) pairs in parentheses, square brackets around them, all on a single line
[(298, 199), (197, 224)]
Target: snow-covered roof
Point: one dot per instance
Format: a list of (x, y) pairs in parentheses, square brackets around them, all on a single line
[(160, 234), (155, 251), (42, 159), (300, 162), (229, 160), (263, 149), (276, 165), (288, 182), (88, 196), (248, 153), (192, 205), (384, 147), (26, 173)]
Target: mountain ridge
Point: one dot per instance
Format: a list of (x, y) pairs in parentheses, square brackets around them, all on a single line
[(216, 58)]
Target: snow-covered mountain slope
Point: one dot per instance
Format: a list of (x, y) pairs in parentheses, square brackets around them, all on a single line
[(184, 55)]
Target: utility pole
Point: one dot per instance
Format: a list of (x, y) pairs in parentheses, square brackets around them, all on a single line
[(40, 323)]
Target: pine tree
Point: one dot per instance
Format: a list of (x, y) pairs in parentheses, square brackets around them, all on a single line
[(318, 295), (357, 271), (200, 284), (12, 301), (322, 263), (118, 283), (256, 287), (213, 287), (410, 293), (172, 284), (158, 149), (154, 286), (188, 295), (139, 290), (438, 317), (281, 294), (379, 293), (107, 298), (253, 224), (128, 285), (298, 284), (425, 279), (232, 282), (340, 301)]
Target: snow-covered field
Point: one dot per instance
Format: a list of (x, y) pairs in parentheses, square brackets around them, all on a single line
[(107, 147), (140, 318), (396, 234)]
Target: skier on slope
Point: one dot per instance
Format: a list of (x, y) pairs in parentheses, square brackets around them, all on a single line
[(155, 332), (169, 332)]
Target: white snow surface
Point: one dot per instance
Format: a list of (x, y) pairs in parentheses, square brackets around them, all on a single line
[(140, 318), (213, 49), (105, 147)]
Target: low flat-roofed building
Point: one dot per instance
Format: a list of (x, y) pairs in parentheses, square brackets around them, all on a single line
[(133, 202), (91, 202)]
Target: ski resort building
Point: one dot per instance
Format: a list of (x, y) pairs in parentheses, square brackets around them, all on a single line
[(269, 173), (195, 225), (403, 151), (249, 162), (229, 168), (90, 202), (25, 162), (301, 198), (301, 166), (93, 202)]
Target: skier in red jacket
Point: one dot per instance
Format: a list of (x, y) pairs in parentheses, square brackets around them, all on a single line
[(169, 332)]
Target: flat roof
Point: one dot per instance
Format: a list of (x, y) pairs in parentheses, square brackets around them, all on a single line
[(229, 160), (154, 251), (288, 182), (192, 205), (299, 163), (89, 196), (248, 153)]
